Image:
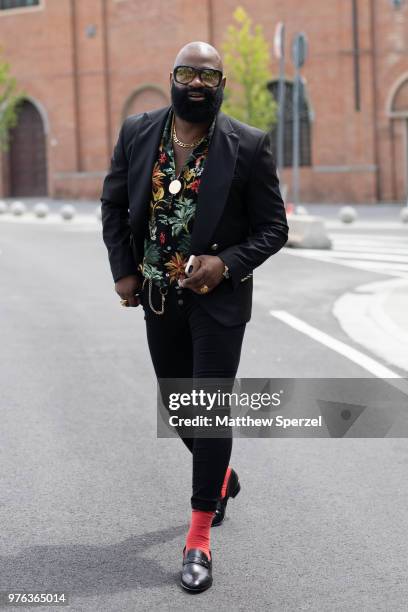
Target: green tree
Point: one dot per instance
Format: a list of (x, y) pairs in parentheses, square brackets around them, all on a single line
[(10, 101), (246, 59)]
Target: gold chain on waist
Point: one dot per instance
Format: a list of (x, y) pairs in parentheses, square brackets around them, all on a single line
[(163, 297)]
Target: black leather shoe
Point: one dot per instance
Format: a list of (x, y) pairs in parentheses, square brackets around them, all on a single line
[(196, 575), (233, 488)]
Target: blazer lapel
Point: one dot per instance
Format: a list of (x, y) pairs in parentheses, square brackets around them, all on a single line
[(215, 182)]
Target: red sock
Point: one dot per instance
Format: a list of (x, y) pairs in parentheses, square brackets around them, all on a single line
[(199, 532), (225, 483)]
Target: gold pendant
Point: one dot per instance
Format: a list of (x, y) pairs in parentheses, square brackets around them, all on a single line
[(175, 186)]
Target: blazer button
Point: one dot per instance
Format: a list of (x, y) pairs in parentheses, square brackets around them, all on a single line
[(214, 246)]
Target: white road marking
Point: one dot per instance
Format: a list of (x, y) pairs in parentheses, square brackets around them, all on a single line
[(362, 360), (351, 254), (361, 248), (399, 270), (373, 240), (372, 252), (352, 236)]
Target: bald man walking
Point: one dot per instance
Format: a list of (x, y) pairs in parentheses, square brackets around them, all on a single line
[(189, 180)]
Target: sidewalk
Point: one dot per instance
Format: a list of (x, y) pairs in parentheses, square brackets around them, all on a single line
[(395, 307), (371, 213), (374, 316), (381, 210)]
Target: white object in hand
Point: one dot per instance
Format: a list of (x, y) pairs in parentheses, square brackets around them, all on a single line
[(189, 263)]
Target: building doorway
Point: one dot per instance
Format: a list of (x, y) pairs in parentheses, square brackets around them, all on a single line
[(398, 112), (27, 155)]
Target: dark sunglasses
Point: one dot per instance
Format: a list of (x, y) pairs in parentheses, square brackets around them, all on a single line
[(208, 76)]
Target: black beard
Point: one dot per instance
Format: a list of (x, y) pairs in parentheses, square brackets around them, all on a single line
[(200, 111)]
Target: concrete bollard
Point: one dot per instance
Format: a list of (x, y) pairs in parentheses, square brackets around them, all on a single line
[(347, 214), (67, 212), (3, 207), (404, 214), (18, 208), (307, 232), (41, 210)]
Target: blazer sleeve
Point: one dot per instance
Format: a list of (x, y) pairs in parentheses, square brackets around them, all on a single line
[(268, 227), (115, 212)]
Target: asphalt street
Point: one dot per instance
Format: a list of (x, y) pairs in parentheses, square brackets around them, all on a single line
[(93, 504)]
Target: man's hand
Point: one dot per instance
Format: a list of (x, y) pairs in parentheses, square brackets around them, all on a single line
[(126, 288), (209, 273)]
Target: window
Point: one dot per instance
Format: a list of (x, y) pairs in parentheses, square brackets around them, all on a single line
[(12, 4), (304, 126)]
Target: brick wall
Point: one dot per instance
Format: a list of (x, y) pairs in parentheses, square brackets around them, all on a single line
[(89, 64)]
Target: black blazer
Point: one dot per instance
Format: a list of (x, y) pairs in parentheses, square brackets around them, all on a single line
[(240, 215)]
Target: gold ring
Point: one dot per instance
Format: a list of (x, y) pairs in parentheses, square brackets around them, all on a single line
[(204, 289), (124, 302)]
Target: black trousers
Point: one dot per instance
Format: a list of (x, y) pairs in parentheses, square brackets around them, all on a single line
[(186, 342)]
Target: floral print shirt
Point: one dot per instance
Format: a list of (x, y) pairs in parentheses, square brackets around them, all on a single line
[(171, 217)]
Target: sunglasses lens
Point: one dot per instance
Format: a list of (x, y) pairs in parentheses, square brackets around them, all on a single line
[(184, 74), (211, 78)]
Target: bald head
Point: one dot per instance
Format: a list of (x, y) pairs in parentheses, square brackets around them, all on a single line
[(199, 54)]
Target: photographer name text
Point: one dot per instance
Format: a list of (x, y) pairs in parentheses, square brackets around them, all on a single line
[(245, 421)]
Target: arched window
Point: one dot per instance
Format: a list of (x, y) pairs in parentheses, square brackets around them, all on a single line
[(305, 154), (145, 98), (399, 103)]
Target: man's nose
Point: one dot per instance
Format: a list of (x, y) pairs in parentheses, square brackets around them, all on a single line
[(196, 82)]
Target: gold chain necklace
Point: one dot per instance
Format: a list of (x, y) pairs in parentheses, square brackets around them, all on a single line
[(184, 144)]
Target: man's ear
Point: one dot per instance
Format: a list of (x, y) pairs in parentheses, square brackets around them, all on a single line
[(224, 80)]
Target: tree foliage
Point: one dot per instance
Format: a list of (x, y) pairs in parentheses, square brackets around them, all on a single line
[(10, 101), (246, 59)]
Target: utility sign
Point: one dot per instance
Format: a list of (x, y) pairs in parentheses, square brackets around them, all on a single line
[(299, 53), (299, 50), (279, 50), (278, 41)]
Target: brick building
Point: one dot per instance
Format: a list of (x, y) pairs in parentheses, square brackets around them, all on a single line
[(85, 65)]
